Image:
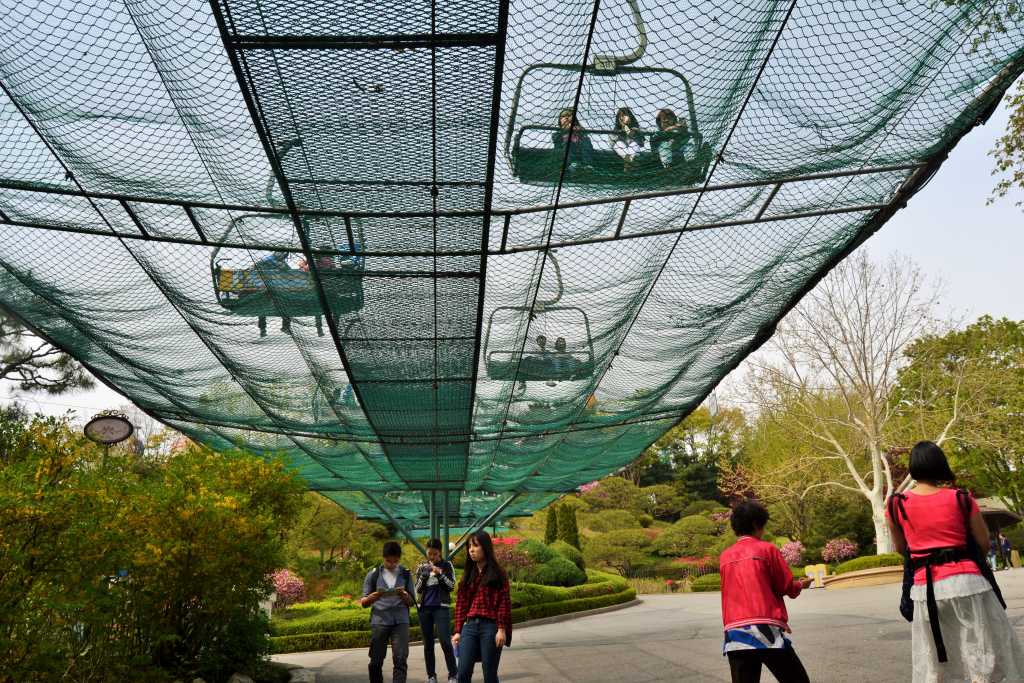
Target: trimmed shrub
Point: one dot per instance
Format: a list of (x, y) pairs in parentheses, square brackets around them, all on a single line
[(690, 536), (568, 531), (869, 562), (529, 601), (569, 553), (707, 583), (537, 551), (556, 572), (551, 525), (646, 520), (701, 507), (839, 549), (612, 520)]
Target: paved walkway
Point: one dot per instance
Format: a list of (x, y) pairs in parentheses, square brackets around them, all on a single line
[(854, 635)]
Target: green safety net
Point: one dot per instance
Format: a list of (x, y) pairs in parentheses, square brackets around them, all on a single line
[(411, 247)]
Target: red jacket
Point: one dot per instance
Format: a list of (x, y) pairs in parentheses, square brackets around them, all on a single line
[(754, 580)]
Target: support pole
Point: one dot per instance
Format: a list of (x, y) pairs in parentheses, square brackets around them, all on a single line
[(398, 525), (483, 524), (447, 529), (432, 518)]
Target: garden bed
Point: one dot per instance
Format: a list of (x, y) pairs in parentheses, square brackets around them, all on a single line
[(338, 624)]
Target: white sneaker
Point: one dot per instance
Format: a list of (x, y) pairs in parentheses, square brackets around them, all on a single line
[(453, 679), (432, 679)]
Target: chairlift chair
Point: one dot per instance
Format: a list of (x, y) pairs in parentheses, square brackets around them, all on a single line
[(266, 289), (535, 159), (555, 324)]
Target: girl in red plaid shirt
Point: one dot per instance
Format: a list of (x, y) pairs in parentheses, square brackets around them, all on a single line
[(483, 611)]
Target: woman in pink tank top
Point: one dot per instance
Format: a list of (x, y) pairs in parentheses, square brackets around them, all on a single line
[(960, 630)]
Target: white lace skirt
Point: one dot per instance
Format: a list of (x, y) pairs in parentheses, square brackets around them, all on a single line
[(981, 644)]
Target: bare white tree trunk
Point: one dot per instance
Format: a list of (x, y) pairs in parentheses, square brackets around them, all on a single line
[(830, 370)]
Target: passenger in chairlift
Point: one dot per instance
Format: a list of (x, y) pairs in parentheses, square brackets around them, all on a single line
[(628, 139), (670, 139), (571, 133), (275, 262)]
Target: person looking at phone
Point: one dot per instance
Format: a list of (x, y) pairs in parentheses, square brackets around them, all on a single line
[(388, 591), (435, 580), (755, 579)]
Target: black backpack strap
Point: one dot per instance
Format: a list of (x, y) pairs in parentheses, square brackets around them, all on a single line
[(895, 506), (374, 578), (976, 552)]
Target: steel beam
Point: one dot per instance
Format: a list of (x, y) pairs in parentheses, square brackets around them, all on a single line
[(483, 524), (398, 525)]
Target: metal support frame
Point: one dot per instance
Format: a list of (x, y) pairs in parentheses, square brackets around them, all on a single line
[(447, 530), (398, 525), (483, 524)]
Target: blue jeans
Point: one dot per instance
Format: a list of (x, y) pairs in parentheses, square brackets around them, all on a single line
[(434, 622), (477, 643)]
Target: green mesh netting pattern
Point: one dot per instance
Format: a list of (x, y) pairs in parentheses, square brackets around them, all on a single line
[(410, 246)]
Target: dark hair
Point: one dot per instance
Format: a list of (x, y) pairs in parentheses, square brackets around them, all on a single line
[(434, 543), (494, 575), (747, 517), (392, 549), (665, 117), (623, 110), (928, 463)]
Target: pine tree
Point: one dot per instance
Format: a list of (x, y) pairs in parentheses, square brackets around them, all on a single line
[(567, 529), (551, 529)]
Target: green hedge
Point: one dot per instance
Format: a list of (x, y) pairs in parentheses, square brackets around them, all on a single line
[(350, 628), (707, 583), (869, 562), (569, 552)]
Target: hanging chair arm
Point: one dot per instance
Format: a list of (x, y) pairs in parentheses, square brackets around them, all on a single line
[(610, 63)]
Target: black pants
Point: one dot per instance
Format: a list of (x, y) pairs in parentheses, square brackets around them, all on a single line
[(745, 665), (434, 621), (398, 636)]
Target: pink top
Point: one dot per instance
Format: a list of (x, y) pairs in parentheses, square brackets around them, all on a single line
[(936, 521)]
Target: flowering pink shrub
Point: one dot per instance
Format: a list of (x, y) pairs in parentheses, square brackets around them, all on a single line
[(289, 588), (506, 540), (589, 487), (839, 549), (516, 562), (793, 553)]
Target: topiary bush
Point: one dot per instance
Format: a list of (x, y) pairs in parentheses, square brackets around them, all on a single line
[(568, 530), (557, 571), (707, 583), (551, 525), (690, 536), (570, 553), (869, 562), (612, 520), (537, 551)]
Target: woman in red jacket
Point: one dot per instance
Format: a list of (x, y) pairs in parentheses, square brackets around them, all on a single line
[(755, 578), (483, 611)]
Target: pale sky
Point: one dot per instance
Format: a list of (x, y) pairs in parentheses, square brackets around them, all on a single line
[(948, 229)]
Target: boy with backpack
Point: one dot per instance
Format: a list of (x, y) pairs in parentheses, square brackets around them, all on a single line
[(388, 590)]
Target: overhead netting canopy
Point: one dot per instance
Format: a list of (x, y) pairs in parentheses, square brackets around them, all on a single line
[(417, 247)]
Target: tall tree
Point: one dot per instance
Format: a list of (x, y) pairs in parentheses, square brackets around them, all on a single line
[(977, 372), (33, 364), (832, 365)]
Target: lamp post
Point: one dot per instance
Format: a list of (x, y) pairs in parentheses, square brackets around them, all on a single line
[(108, 427)]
